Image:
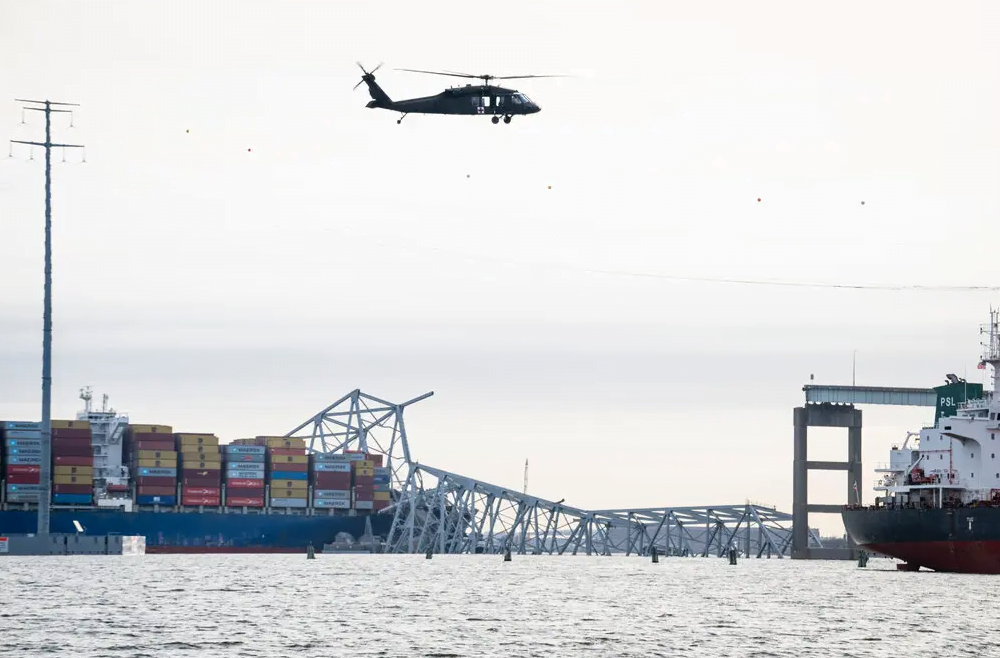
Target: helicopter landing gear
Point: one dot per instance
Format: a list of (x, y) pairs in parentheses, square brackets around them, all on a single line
[(400, 120), (507, 118), (495, 120)]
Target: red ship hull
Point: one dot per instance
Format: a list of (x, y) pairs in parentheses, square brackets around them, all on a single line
[(981, 557)]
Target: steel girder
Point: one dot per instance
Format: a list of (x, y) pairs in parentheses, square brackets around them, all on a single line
[(444, 512)]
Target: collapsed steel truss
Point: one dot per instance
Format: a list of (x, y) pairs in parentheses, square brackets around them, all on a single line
[(442, 512)]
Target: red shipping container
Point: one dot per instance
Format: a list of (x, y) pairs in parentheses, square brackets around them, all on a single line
[(364, 482), (70, 433), (200, 500), (65, 451), (67, 460), (295, 468), (200, 482), (367, 488), (364, 495), (156, 481), (197, 492), (244, 483), (332, 481), (247, 493), (72, 488), (202, 473), (156, 491), (70, 443), (377, 459), (23, 469), (286, 452), (380, 504), (153, 445), (24, 478), (245, 501)]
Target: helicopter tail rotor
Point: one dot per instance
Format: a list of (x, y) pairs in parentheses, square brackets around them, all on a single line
[(369, 76), (379, 97)]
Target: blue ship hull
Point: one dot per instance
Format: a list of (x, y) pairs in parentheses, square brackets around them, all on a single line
[(203, 532)]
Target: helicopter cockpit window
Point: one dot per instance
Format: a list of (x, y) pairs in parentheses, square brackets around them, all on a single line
[(521, 99)]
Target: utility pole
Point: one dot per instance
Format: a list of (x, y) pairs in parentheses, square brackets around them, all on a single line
[(45, 496)]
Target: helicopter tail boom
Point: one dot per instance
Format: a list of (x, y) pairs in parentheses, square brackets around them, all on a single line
[(379, 99)]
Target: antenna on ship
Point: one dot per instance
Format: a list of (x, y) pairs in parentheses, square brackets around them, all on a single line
[(991, 349), (45, 475), (86, 396)]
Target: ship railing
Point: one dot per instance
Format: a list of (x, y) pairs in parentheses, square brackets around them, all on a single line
[(977, 403)]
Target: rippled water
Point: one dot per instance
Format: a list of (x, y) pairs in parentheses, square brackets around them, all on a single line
[(380, 605)]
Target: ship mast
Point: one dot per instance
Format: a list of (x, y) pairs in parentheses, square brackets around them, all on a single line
[(991, 351)]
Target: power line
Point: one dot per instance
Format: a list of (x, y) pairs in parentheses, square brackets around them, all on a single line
[(45, 470)]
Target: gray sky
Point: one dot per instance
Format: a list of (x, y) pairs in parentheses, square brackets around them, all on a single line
[(216, 289)]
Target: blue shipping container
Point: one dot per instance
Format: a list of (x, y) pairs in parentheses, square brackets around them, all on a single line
[(24, 443), (289, 475), (24, 452), (158, 472), (25, 488), (71, 499), (244, 450), (37, 459), (19, 425), (156, 500)]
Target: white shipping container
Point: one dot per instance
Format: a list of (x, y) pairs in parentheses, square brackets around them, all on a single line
[(332, 467), (23, 434), (24, 443), (364, 504), (289, 502), (333, 493), (20, 425)]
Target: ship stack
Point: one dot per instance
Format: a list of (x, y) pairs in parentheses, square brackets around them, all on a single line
[(22, 461), (72, 463), (153, 459), (331, 478), (244, 465), (201, 469), (288, 471)]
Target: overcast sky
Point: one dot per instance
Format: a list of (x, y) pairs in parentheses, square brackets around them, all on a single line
[(247, 242)]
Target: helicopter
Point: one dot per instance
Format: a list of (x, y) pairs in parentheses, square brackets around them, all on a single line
[(474, 100)]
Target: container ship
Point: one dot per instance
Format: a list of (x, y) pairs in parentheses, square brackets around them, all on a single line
[(937, 504), (186, 492)]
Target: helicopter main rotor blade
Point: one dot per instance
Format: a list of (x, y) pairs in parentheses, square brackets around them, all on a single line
[(454, 75), (522, 77)]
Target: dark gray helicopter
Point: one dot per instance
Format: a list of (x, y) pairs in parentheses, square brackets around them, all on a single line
[(484, 99)]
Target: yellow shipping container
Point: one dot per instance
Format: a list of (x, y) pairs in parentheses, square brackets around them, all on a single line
[(365, 472), (283, 442), (289, 484), (381, 495), (199, 447), (197, 439), (158, 463), (157, 454), (74, 470), (71, 424), (288, 493), (151, 429), (363, 464), (73, 479), (278, 460)]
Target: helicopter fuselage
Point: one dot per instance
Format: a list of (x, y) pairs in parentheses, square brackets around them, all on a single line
[(469, 100)]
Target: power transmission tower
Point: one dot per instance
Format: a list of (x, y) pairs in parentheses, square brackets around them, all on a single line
[(45, 495)]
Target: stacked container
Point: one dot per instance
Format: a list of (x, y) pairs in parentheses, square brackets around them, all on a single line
[(244, 474), (72, 463), (201, 469), (363, 471), (331, 478), (287, 471), (381, 485), (22, 460), (152, 455)]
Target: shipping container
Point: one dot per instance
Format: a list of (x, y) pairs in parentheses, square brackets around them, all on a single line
[(72, 499), (18, 451), (289, 502), (245, 501), (288, 493), (364, 495), (332, 482), (192, 448), (245, 483), (297, 468), (69, 460), (158, 438), (157, 463), (235, 458), (231, 449), (255, 492), (73, 488), (289, 484), (355, 456), (289, 475), (74, 470), (332, 467), (197, 439), (364, 472), (20, 425), (23, 478), (332, 493), (376, 460), (25, 488), (147, 444), (156, 481), (363, 504), (23, 469), (244, 467), (380, 504), (25, 460), (382, 470), (22, 497), (158, 472), (72, 479), (191, 501), (70, 424), (201, 466), (381, 495), (73, 452), (365, 463), (332, 503), (283, 442), (331, 457), (286, 452), (156, 491), (200, 491), (200, 481), (277, 460), (170, 501), (156, 454), (150, 429), (17, 436), (70, 443), (58, 433)]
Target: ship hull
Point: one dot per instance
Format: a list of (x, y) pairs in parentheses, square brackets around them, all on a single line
[(204, 532), (962, 540)]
